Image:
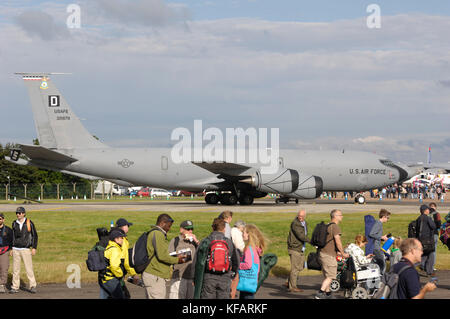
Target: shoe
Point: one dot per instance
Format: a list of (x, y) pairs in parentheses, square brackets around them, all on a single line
[(286, 284), (13, 291), (2, 289), (33, 290), (320, 295), (296, 290)]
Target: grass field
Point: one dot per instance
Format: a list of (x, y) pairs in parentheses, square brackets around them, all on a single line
[(66, 236)]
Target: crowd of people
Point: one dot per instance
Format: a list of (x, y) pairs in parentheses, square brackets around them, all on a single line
[(226, 261), (230, 259), (419, 249), (433, 191)]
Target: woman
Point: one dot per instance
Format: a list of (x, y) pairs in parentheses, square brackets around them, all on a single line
[(356, 251), (255, 244), (237, 236)]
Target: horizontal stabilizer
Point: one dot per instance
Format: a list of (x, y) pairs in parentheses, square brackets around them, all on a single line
[(36, 152), (223, 167)]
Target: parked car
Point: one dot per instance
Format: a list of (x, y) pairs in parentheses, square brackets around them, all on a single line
[(144, 192), (160, 192), (188, 193)]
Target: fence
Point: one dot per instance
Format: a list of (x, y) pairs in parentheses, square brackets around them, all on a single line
[(48, 191)]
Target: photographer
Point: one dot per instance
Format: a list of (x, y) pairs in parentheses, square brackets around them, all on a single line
[(182, 284)]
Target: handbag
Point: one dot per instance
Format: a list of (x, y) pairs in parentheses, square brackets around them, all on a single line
[(313, 261), (248, 278)]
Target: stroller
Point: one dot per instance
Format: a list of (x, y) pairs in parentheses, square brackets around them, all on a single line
[(359, 282)]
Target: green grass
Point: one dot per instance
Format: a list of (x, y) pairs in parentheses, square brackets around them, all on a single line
[(66, 236)]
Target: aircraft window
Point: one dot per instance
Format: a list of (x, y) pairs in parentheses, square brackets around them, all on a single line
[(387, 163)]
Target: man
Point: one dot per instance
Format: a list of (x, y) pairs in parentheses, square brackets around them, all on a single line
[(208, 283), (434, 214), (296, 244), (408, 281), (227, 216), (376, 233), (6, 240), (124, 225), (427, 228), (328, 253), (182, 283), (111, 280), (159, 270), (25, 240)]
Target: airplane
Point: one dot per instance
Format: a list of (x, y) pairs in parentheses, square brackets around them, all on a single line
[(67, 146), (436, 168)]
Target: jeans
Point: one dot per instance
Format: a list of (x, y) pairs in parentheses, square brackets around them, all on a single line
[(112, 289)]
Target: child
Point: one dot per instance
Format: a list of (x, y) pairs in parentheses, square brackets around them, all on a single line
[(396, 254)]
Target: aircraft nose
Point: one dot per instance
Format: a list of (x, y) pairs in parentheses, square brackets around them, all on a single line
[(411, 172)]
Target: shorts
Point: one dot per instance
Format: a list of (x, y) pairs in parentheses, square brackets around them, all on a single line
[(329, 265)]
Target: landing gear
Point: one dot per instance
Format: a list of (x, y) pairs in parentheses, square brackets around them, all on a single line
[(360, 199), (212, 199), (246, 199), (228, 199)]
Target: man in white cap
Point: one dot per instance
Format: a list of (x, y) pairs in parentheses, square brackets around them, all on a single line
[(181, 285)]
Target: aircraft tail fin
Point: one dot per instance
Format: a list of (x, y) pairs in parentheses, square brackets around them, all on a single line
[(57, 126)]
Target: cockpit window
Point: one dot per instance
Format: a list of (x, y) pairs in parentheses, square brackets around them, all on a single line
[(388, 163)]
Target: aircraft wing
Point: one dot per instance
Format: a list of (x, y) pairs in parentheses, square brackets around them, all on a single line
[(36, 152), (223, 168)]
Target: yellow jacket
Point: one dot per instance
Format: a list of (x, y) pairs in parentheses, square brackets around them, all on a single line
[(125, 247), (114, 256)]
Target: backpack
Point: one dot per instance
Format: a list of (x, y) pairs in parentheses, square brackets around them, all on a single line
[(369, 221), (413, 229), (96, 260), (138, 257), (218, 260), (319, 235), (389, 284)]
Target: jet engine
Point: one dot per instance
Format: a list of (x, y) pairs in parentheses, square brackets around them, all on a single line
[(287, 182)]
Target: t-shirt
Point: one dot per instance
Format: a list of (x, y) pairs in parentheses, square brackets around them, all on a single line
[(330, 247), (409, 281)]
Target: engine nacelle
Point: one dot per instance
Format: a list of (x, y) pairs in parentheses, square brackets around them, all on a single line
[(288, 182)]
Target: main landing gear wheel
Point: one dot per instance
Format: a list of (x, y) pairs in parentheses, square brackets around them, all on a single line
[(360, 199), (228, 199), (246, 199), (212, 199)]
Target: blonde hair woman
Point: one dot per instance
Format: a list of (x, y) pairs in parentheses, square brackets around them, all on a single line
[(356, 251), (255, 244)]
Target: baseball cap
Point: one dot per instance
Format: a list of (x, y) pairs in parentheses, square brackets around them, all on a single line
[(122, 222), (20, 210), (116, 233), (187, 224)]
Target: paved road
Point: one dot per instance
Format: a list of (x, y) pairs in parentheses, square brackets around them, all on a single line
[(272, 288)]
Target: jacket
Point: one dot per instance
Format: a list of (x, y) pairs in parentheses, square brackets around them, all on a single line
[(115, 261), (297, 235), (202, 256), (426, 227), (158, 247), (267, 261), (125, 246), (6, 238), (185, 270), (22, 238), (376, 233)]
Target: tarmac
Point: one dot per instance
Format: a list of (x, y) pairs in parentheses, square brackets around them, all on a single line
[(272, 288)]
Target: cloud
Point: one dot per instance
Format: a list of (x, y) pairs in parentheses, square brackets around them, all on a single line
[(444, 83), (154, 13), (41, 24), (368, 139)]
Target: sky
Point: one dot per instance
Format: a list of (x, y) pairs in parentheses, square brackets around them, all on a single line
[(314, 69)]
